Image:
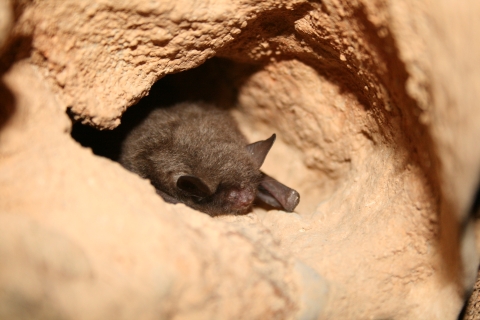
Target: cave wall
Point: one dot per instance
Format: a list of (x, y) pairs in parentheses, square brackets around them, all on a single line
[(374, 103)]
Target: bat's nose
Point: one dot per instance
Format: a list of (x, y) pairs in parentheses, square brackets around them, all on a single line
[(240, 198)]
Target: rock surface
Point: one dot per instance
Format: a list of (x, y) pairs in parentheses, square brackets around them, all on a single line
[(375, 105)]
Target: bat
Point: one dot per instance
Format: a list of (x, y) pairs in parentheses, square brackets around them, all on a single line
[(194, 153)]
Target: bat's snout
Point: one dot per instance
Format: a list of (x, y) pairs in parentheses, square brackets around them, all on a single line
[(240, 198)]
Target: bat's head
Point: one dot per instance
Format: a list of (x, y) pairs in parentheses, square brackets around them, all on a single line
[(229, 184)]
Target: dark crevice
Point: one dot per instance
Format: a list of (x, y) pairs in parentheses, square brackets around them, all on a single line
[(7, 105)]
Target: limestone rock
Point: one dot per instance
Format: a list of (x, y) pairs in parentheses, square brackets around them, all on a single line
[(375, 106)]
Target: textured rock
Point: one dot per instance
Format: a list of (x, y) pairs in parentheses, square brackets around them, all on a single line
[(139, 41), (375, 105), (6, 22)]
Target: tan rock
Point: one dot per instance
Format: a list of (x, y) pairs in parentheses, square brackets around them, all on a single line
[(6, 22), (375, 106)]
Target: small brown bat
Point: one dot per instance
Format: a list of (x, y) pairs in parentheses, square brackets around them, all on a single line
[(194, 153)]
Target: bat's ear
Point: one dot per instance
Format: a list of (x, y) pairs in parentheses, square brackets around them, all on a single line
[(193, 186), (259, 149)]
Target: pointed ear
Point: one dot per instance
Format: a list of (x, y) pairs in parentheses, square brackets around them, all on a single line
[(259, 149), (194, 186)]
